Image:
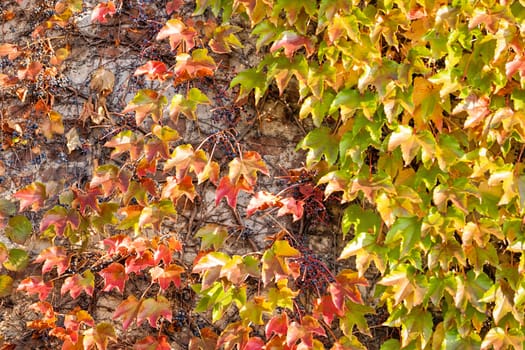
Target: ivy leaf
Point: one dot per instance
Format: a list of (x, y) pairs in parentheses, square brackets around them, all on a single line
[(223, 39), (178, 32), (173, 5), (408, 231), (476, 107), (6, 285), (231, 190), (77, 284), (154, 70), (115, 276), (197, 65), (18, 229), (17, 260), (320, 142), (156, 212), (165, 276), (152, 310), (185, 159), (290, 41), (282, 296), (128, 311), (7, 209), (304, 331), (247, 166), (250, 79), (140, 262), (53, 256), (146, 102), (32, 195), (262, 200), (102, 11), (36, 285), (150, 342), (87, 199), (60, 220), (324, 307), (212, 235), (278, 324), (499, 338), (291, 206), (126, 141), (209, 266), (187, 105), (254, 309), (274, 264), (99, 336), (174, 189)]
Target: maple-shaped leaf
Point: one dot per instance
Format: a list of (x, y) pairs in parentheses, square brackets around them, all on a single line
[(76, 317), (210, 266), (223, 39), (206, 341), (31, 71), (320, 142), (274, 264), (254, 309), (262, 200), (174, 189), (52, 125), (178, 32), (154, 70), (155, 212), (278, 324), (9, 50), (185, 159), (282, 296), (212, 235), (187, 105), (290, 41), (146, 102), (197, 65), (247, 166), (153, 343), (85, 199), (54, 256), (99, 336), (128, 311), (164, 276), (476, 107), (36, 285), (162, 253), (18, 229), (325, 308), (114, 277), (152, 310), (210, 172), (304, 331), (291, 206), (126, 141), (102, 11), (250, 79), (231, 190), (60, 220), (138, 263), (234, 336), (173, 5), (77, 284), (109, 177), (32, 195)]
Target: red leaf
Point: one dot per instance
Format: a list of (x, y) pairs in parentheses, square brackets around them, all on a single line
[(128, 310), (138, 263), (291, 206), (164, 276), (154, 70), (35, 285), (278, 325), (162, 253), (231, 190), (118, 244), (102, 10), (291, 42), (9, 50), (87, 199), (53, 256), (348, 281), (152, 310), (114, 277), (325, 306), (178, 32), (254, 343), (304, 331), (60, 218), (32, 195), (197, 65), (152, 343), (262, 200), (77, 284)]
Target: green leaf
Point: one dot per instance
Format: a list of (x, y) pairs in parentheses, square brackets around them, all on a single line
[(6, 285), (19, 229), (408, 231), (350, 100), (212, 236), (362, 220), (17, 260), (320, 142), (250, 79)]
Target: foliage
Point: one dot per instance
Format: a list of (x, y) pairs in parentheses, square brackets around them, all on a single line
[(417, 132)]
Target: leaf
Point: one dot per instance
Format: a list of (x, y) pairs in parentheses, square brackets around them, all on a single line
[(102, 11), (99, 336), (102, 81), (73, 140), (231, 190), (185, 159), (173, 5), (114, 277), (77, 284), (17, 260), (152, 310), (304, 331), (30, 72), (36, 285), (126, 141), (128, 311), (291, 42), (18, 229), (291, 206), (254, 309), (278, 324), (52, 125), (247, 166), (7, 208), (88, 199), (60, 220), (139, 262), (250, 79), (476, 107), (212, 235), (282, 296), (320, 142), (9, 50), (156, 212), (197, 65), (6, 285), (146, 102), (262, 200), (209, 266), (325, 308), (165, 276), (178, 32), (154, 70), (150, 342), (223, 39), (408, 231), (274, 264), (51, 257), (187, 105), (32, 195)]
